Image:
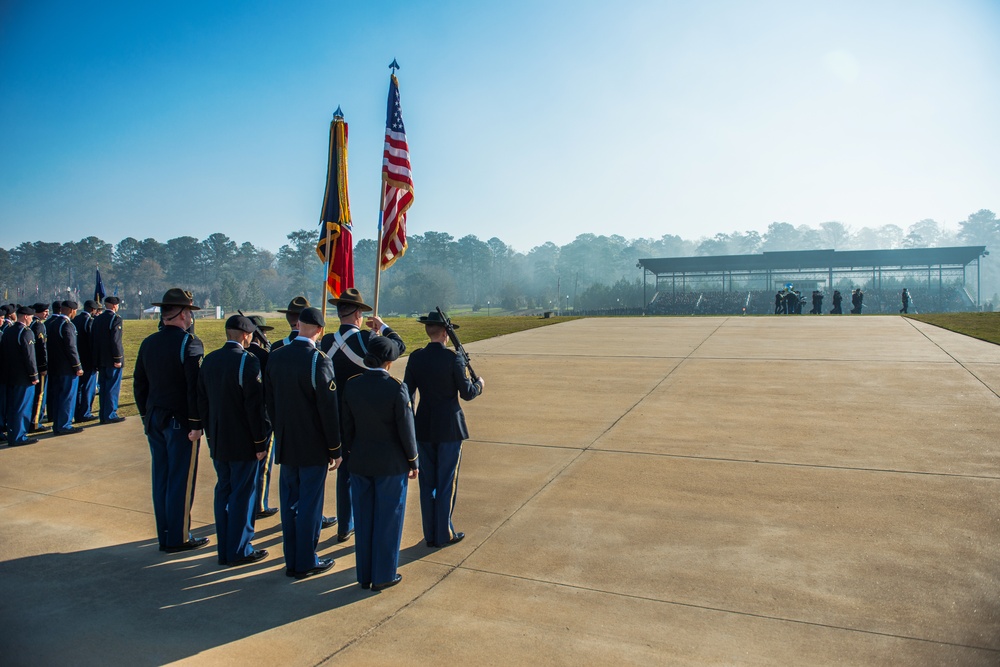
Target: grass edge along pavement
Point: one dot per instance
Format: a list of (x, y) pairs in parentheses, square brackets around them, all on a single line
[(213, 334), (983, 326)]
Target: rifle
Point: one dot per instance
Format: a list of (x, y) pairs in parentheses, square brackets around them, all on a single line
[(457, 344), (256, 329)]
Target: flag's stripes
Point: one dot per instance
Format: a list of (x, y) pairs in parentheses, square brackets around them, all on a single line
[(397, 179)]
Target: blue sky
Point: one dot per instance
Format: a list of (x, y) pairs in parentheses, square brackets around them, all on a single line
[(531, 121)]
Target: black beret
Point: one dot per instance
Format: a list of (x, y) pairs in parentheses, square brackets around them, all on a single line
[(25, 310), (72, 305), (111, 300), (5, 310), (380, 350), (90, 304), (240, 323), (312, 316), (39, 307)]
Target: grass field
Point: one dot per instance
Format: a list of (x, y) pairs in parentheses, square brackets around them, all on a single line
[(213, 335), (984, 326)]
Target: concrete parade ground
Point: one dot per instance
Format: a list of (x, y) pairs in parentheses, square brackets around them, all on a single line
[(647, 491)]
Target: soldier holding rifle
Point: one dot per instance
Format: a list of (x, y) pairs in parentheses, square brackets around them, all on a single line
[(440, 376)]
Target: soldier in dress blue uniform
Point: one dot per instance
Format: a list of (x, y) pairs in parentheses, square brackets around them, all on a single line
[(109, 356), (260, 347), (64, 368), (347, 348), (166, 394), (231, 405), (87, 384), (41, 358), (20, 374), (379, 433), (295, 307), (301, 397), (440, 376)]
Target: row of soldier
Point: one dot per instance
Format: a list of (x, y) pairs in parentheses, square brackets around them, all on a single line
[(790, 301), (312, 403), (52, 361)]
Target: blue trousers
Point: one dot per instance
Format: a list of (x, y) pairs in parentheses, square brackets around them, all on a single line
[(85, 389), (345, 514), (379, 506), (302, 489), (264, 468), (175, 468), (235, 506), (110, 380), (17, 411), (438, 477), (63, 391)]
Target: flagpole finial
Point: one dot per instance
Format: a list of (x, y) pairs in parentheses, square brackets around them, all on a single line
[(338, 113), (394, 65)]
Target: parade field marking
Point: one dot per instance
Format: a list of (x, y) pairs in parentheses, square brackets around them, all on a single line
[(780, 490)]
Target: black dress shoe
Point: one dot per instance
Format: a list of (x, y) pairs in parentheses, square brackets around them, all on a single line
[(343, 537), (324, 565), (113, 420), (257, 555), (194, 543), (69, 431), (84, 420), (26, 441), (38, 428), (382, 587), (328, 521), (366, 586), (270, 511), (455, 540)]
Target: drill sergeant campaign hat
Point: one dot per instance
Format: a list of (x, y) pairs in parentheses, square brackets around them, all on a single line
[(177, 298), (435, 318), (348, 298), (261, 324), (296, 305)]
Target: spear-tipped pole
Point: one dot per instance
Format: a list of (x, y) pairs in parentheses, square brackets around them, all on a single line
[(337, 115), (381, 207)]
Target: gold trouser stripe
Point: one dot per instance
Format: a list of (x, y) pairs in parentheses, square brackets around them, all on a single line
[(189, 489), (265, 486), (454, 492)]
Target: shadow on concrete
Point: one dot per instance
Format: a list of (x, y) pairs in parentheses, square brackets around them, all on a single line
[(132, 604)]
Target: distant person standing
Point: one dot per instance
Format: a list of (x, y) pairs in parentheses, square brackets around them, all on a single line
[(41, 358), (301, 397), (838, 299), (87, 385), (378, 428), (166, 394), (231, 405), (440, 376), (64, 368), (109, 357), (19, 376), (906, 301), (347, 347)]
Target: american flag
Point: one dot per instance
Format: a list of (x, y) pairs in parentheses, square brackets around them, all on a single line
[(397, 181)]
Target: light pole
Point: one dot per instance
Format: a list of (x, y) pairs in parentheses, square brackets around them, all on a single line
[(487, 309)]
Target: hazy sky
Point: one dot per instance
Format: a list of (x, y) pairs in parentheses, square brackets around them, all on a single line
[(528, 120)]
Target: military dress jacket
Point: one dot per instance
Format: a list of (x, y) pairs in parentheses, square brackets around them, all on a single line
[(106, 340), (231, 404), (63, 356), (17, 356), (83, 323), (300, 393), (41, 353), (378, 425), (440, 376), (166, 376)]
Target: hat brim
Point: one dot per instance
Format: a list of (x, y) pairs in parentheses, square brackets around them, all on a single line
[(177, 305), (363, 306), (264, 327), (438, 323)]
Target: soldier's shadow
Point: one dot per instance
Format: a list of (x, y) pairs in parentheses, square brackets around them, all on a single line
[(133, 604)]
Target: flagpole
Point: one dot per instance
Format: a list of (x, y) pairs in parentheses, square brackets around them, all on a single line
[(378, 249)]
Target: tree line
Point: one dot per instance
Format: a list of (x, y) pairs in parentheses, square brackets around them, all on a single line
[(591, 272)]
